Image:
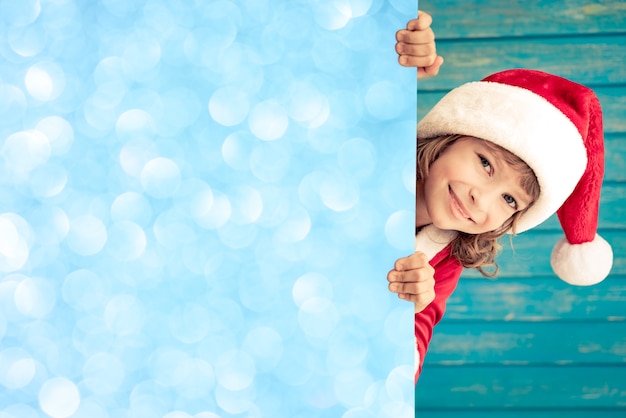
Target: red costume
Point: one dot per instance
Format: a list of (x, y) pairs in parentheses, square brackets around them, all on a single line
[(447, 273)]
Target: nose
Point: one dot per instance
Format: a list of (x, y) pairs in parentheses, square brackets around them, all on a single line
[(480, 198), (475, 196)]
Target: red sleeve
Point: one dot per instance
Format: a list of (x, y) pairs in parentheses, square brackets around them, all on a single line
[(447, 273)]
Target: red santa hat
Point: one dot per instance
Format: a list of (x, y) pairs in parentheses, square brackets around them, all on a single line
[(555, 126)]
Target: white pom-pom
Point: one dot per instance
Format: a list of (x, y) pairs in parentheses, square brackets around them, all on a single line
[(582, 264)]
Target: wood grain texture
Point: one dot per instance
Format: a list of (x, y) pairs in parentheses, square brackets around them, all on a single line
[(534, 386), (454, 19), (560, 412), (531, 250), (538, 298), (589, 60), (526, 343)]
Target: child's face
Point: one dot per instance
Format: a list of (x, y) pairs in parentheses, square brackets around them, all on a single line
[(471, 189)]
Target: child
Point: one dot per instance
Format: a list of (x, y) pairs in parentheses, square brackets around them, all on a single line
[(500, 156)]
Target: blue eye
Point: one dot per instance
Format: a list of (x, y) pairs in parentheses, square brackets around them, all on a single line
[(510, 200), (485, 163)]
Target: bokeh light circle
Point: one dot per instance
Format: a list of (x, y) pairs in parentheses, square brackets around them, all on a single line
[(48, 180), (266, 346), (103, 373), (20, 13), (339, 192), (311, 285), (269, 162), (35, 297), (160, 177), (45, 81), (142, 53), (17, 368), (357, 157), (396, 229), (190, 323), (27, 41), (334, 14), (133, 123), (87, 235), (351, 386), (12, 102), (59, 397), (308, 105), (126, 240), (235, 370), (14, 245), (295, 227), (26, 150), (84, 290), (124, 315), (386, 100), (246, 203), (318, 317), (268, 120), (132, 206), (237, 148), (212, 209), (229, 106), (181, 108)]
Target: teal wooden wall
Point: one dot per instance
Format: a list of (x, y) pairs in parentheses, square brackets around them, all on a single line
[(527, 344)]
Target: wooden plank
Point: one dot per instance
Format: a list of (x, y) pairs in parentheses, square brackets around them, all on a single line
[(528, 387), (615, 159), (521, 413), (523, 343), (489, 18), (536, 299), (472, 60), (613, 99), (531, 252), (613, 202)]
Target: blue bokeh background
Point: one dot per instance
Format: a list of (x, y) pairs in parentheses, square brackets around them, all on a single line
[(199, 203)]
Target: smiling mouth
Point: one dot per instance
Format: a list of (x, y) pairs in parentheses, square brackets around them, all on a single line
[(457, 206)]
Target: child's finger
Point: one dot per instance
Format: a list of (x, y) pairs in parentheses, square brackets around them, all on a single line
[(417, 50), (423, 21), (415, 37), (414, 261), (413, 288), (420, 275)]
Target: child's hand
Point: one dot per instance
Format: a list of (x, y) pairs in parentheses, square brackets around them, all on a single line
[(413, 279), (416, 46)]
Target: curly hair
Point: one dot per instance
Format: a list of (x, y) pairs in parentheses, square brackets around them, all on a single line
[(478, 250)]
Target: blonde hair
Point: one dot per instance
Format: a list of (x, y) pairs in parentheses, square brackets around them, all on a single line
[(478, 250)]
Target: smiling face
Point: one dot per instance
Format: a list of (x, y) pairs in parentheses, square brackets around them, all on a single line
[(471, 188)]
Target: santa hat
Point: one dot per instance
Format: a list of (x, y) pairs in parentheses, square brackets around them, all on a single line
[(555, 126)]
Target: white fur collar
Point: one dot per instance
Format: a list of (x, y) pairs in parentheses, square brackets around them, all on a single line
[(431, 240)]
